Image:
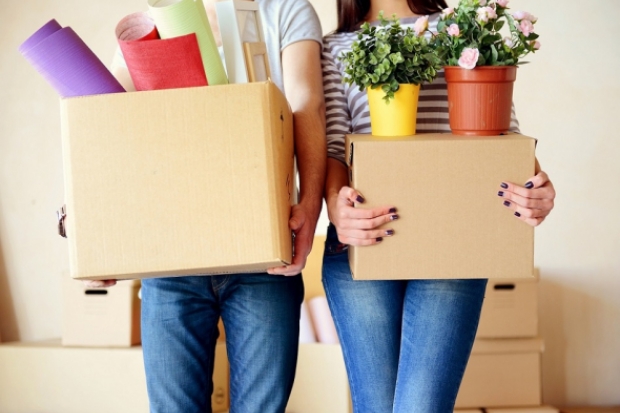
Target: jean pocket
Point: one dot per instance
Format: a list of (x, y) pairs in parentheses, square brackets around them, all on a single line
[(335, 247)]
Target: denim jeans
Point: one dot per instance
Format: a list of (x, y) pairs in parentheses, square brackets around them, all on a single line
[(405, 343), (179, 332)]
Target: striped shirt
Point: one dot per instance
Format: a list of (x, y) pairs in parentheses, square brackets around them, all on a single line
[(347, 107)]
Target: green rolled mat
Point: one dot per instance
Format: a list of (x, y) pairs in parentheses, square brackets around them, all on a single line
[(174, 18)]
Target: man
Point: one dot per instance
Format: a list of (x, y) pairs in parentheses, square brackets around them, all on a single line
[(260, 311)]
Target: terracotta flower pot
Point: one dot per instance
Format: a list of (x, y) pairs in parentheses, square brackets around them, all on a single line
[(480, 99), (397, 118)]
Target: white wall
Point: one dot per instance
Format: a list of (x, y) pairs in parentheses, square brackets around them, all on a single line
[(568, 97)]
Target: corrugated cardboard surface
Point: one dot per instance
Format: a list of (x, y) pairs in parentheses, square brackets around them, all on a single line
[(452, 223), (510, 308), (101, 317), (178, 182), (47, 377), (502, 373), (538, 409)]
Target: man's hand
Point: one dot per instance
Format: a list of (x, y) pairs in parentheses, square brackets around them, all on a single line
[(303, 227)]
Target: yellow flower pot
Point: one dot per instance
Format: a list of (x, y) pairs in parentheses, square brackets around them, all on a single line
[(396, 118)]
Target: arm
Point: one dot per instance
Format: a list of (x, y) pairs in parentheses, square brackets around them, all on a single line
[(355, 226), (301, 68), (531, 202)]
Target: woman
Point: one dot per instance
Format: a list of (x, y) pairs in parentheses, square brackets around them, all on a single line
[(405, 343)]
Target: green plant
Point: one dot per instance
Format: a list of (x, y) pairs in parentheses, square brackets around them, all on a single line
[(469, 35), (388, 55)]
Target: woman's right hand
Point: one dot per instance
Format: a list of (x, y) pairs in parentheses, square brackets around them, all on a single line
[(359, 226), (98, 283)]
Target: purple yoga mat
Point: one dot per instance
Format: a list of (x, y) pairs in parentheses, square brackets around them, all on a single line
[(67, 63)]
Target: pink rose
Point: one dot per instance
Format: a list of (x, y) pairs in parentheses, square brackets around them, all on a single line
[(484, 14), (453, 30), (523, 15), (526, 27), (420, 25), (469, 58), (535, 44), (446, 13), (502, 3), (482, 2), (508, 42)]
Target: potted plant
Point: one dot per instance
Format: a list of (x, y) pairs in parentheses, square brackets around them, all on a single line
[(481, 63), (390, 62)]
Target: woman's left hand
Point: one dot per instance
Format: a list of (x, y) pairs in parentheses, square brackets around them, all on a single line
[(532, 202)]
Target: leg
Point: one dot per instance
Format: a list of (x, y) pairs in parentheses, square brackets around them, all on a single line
[(261, 318), (368, 317), (439, 325), (179, 331)]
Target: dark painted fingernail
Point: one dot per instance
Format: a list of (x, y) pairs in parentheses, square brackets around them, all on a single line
[(529, 185), (379, 239), (392, 210), (517, 214), (504, 185), (393, 217), (506, 203), (500, 193), (389, 232), (359, 199)]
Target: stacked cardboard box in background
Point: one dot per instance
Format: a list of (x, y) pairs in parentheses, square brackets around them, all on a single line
[(504, 370)]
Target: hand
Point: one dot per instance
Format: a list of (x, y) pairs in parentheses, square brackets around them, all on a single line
[(99, 283), (359, 226), (303, 227), (532, 202)]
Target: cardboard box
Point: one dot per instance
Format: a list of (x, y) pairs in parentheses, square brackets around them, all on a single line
[(101, 317), (591, 409), (47, 377), (452, 223), (537, 409), (178, 182), (510, 308), (321, 384), (502, 373)]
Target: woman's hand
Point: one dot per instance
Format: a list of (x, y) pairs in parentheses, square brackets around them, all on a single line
[(98, 283), (532, 202), (359, 226)]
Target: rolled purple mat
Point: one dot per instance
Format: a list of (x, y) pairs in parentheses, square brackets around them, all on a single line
[(65, 61)]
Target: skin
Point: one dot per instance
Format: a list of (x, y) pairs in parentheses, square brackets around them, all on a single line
[(302, 75), (359, 226)]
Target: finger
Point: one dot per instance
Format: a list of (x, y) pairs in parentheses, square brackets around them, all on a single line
[(526, 202), (520, 211), (362, 234), (386, 212), (350, 196), (532, 221), (537, 181), (359, 241), (544, 192)]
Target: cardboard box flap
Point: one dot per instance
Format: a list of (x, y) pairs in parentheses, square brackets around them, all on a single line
[(178, 181)]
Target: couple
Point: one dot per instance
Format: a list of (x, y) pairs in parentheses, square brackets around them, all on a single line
[(405, 343)]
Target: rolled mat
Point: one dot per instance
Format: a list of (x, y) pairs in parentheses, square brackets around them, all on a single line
[(154, 63), (67, 63), (175, 18), (323, 321)]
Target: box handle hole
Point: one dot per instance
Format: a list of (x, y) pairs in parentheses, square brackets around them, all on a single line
[(96, 292), (504, 287)]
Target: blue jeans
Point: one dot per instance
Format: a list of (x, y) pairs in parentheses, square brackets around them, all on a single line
[(179, 332), (405, 343)]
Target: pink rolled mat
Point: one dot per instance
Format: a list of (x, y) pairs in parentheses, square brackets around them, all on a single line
[(155, 63), (67, 63), (323, 321)]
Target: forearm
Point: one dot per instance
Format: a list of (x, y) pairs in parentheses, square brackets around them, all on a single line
[(336, 178), (303, 85), (310, 150)]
